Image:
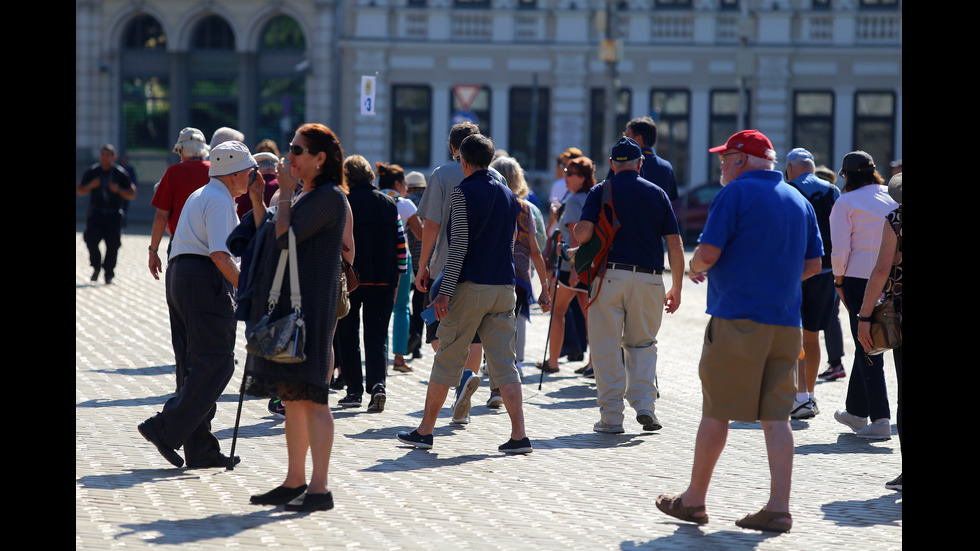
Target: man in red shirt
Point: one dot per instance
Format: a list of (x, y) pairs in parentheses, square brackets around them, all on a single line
[(178, 182)]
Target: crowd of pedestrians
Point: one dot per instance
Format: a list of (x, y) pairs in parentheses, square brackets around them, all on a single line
[(780, 252)]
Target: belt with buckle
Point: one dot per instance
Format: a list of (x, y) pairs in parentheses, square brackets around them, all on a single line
[(632, 268)]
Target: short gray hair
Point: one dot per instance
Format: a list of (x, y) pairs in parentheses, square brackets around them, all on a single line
[(194, 148), (758, 163), (803, 162), (627, 165)]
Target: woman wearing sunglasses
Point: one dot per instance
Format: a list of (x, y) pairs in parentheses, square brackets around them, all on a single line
[(321, 221), (579, 179)]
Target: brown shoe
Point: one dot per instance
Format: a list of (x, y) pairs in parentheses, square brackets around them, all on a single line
[(770, 521), (673, 505)]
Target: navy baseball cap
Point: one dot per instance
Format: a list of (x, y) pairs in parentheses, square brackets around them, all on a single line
[(626, 150)]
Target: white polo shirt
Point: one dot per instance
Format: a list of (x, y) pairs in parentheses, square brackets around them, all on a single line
[(207, 219)]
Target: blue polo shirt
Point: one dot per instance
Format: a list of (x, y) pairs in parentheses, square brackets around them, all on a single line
[(646, 216), (765, 230)]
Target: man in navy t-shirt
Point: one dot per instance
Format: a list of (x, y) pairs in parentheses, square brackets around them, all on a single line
[(630, 297)]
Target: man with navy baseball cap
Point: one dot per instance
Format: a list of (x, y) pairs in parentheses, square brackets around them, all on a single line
[(630, 297)]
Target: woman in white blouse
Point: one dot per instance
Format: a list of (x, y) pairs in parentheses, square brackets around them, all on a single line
[(856, 224)]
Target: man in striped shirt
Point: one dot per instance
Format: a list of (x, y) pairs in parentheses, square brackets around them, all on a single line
[(477, 294)]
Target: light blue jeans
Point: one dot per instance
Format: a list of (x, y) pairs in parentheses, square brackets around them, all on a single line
[(400, 313)]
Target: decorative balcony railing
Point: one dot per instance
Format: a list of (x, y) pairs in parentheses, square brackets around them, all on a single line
[(658, 27)]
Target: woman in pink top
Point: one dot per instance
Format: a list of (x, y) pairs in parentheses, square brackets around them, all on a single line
[(856, 224)]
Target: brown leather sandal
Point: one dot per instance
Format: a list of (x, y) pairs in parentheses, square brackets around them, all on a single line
[(673, 505), (770, 521), (543, 366)]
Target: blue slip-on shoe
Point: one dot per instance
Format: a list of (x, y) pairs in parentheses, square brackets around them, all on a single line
[(516, 446), (415, 439)]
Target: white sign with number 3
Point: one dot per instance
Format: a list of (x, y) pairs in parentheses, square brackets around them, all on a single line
[(367, 95)]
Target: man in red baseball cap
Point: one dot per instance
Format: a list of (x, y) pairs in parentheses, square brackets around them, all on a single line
[(744, 149), (760, 240)]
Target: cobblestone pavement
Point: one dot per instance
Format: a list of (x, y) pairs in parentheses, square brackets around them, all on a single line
[(578, 490)]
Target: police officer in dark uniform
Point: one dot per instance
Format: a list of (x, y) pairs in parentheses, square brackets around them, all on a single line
[(108, 187)]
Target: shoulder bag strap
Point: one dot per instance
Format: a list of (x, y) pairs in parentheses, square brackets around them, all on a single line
[(295, 298), (276, 289)]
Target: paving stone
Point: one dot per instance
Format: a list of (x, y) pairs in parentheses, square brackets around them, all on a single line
[(578, 490)]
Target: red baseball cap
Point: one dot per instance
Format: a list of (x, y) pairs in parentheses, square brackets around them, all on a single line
[(751, 142)]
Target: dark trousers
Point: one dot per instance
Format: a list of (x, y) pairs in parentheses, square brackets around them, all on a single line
[(833, 337), (867, 395), (415, 323), (373, 303), (203, 333), (107, 227), (576, 333)]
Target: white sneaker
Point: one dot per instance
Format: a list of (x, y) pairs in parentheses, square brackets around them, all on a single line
[(468, 384), (807, 409), (611, 429), (856, 423), (879, 430)]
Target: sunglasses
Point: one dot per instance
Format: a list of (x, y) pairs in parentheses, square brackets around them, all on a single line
[(568, 173), (297, 150)]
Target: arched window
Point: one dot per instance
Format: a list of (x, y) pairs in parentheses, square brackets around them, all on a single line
[(145, 82), (283, 33), (281, 80), (213, 33), (145, 33), (213, 76)]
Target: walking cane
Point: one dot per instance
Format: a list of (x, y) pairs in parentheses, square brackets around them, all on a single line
[(238, 418), (552, 316)]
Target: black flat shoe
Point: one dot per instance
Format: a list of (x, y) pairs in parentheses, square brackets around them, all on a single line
[(278, 496), (311, 502), (152, 436), (214, 459)]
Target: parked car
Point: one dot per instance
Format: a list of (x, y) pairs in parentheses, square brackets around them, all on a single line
[(691, 209)]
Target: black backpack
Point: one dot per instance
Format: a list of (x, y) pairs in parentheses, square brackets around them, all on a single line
[(822, 204)]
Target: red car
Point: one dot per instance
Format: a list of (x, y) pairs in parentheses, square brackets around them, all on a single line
[(691, 209)]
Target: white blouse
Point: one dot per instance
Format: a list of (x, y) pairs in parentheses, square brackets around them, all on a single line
[(856, 222)]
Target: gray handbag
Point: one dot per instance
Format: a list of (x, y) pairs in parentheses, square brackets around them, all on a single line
[(282, 340)]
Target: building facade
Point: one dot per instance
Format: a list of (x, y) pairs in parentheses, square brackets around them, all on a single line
[(820, 74)]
